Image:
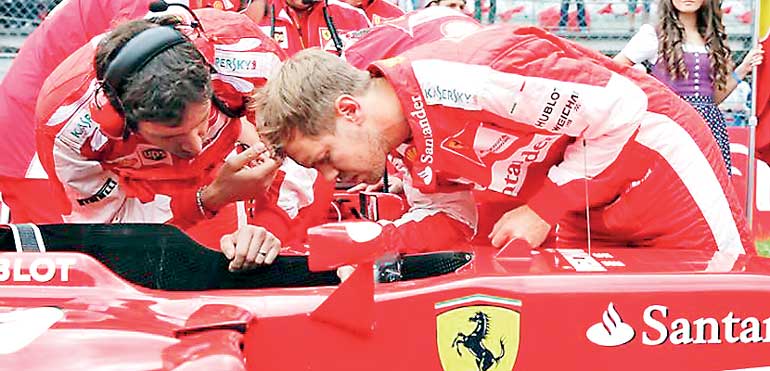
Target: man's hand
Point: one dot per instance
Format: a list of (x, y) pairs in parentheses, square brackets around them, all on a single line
[(395, 185), (245, 176), (520, 223), (345, 271), (249, 247)]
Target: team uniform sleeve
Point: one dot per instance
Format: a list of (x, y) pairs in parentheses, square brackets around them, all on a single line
[(554, 96), (96, 195), (435, 221)]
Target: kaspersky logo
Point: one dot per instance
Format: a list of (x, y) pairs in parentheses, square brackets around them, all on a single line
[(660, 329), (611, 331)]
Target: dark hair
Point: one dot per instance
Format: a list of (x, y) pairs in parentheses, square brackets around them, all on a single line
[(672, 37), (162, 89)]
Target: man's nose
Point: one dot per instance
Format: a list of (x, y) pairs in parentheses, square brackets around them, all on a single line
[(193, 143), (329, 173)]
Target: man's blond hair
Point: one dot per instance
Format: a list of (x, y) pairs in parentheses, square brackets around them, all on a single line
[(301, 95)]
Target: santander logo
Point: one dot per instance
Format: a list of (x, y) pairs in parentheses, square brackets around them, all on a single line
[(611, 331)]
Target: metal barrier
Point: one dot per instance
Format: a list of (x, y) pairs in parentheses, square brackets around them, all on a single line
[(18, 18)]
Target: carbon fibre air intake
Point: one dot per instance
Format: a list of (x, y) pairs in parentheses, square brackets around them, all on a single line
[(26, 237)]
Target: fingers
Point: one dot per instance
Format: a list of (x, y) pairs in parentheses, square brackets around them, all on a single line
[(500, 238), (357, 188), (227, 246), (242, 244), (274, 250), (345, 271), (374, 187), (253, 246), (244, 158), (258, 251)]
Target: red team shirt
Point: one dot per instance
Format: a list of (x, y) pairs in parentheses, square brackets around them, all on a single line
[(507, 105), (295, 31), (100, 177)]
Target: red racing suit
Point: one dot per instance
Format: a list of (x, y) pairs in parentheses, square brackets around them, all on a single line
[(379, 11), (527, 114), (102, 178), (481, 209), (295, 31)]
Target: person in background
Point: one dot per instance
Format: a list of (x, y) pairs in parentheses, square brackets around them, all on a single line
[(632, 7), (688, 52), (299, 24), (564, 14), (377, 10), (453, 4)]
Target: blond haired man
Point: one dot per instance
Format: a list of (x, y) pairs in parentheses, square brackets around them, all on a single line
[(520, 112)]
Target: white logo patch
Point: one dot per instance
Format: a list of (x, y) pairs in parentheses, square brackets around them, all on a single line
[(611, 331), (245, 64)]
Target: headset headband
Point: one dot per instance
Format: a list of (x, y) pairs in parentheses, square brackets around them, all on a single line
[(138, 51)]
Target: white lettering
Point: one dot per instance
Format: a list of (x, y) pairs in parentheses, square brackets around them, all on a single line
[(700, 331), (729, 322), (655, 324), (39, 270), (752, 332)]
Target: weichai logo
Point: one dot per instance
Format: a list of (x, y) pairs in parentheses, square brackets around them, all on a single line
[(36, 270), (662, 326)]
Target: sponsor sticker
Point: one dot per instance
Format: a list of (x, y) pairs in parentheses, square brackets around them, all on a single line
[(440, 85), (660, 327), (508, 175), (478, 332), (79, 128), (39, 270), (151, 155), (245, 64), (107, 188)]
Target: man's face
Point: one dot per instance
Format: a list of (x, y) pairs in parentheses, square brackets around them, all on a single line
[(297, 4), (352, 153), (185, 140), (454, 4)]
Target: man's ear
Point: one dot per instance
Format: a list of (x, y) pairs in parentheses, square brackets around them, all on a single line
[(348, 107)]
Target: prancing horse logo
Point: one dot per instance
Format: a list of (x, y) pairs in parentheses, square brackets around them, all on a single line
[(475, 343), (478, 333)]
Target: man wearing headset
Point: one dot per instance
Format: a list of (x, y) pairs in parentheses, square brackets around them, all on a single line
[(137, 129), (301, 24)]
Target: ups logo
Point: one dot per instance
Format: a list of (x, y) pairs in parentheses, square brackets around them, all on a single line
[(154, 154)]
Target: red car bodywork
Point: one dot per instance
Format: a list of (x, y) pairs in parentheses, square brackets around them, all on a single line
[(550, 309)]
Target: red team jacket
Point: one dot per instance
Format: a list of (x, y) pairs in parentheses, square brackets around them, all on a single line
[(379, 11), (507, 105), (102, 178), (296, 31)]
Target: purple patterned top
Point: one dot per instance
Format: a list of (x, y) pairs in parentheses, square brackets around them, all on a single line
[(698, 83)]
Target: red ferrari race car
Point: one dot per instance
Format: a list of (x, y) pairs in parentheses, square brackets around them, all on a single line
[(146, 297)]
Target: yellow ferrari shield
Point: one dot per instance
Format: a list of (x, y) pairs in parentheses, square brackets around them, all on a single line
[(481, 337)]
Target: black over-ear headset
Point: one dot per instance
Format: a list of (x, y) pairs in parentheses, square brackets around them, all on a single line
[(133, 56)]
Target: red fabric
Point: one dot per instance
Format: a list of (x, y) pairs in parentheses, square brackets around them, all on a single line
[(396, 36), (28, 200), (512, 128), (295, 31), (379, 11), (763, 106), (107, 179), (65, 29)]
